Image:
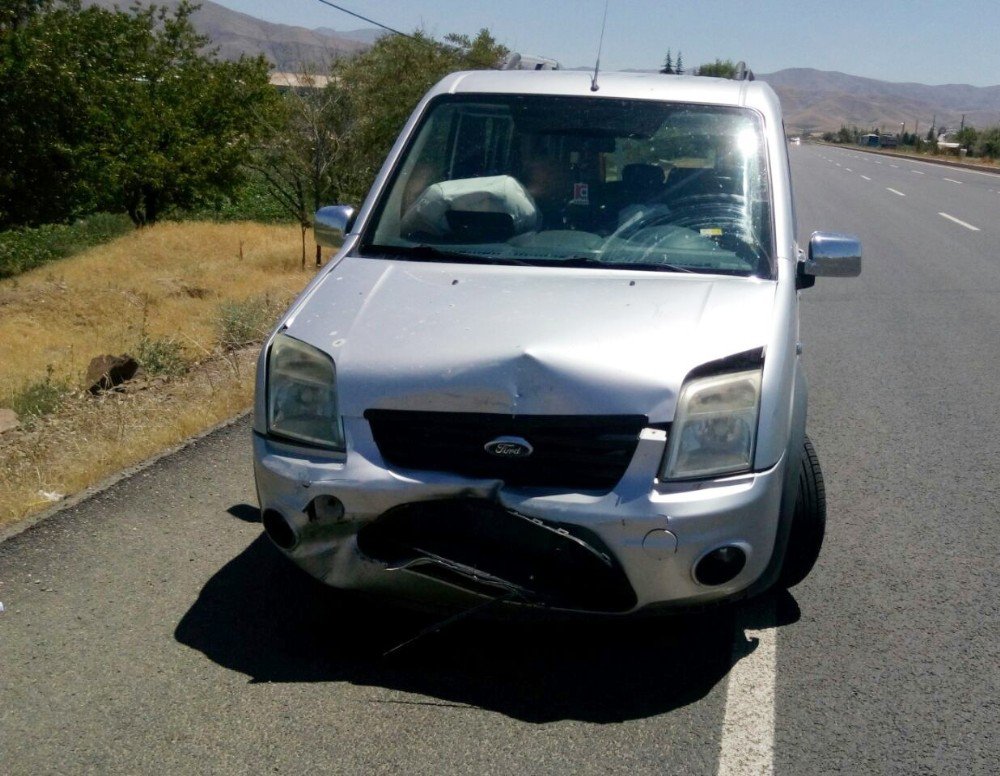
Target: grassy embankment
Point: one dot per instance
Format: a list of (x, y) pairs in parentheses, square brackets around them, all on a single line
[(187, 299)]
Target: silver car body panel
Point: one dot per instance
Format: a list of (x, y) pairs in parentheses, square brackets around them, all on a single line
[(525, 340), (534, 340)]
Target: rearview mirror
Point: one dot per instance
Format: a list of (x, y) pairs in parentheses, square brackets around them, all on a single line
[(830, 255), (332, 223)]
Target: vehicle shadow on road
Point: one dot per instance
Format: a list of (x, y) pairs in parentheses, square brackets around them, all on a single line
[(263, 617)]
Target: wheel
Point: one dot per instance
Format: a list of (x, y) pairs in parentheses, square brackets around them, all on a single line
[(808, 522)]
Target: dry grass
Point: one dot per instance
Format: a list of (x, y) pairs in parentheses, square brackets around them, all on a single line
[(164, 281), (167, 282), (89, 438)]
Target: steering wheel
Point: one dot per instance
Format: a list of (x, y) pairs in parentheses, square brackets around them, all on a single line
[(724, 214)]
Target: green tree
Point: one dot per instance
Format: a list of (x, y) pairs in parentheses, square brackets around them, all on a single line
[(679, 67), (385, 84), (16, 13), (967, 138), (302, 157), (119, 111), (668, 65), (718, 69), (847, 134), (43, 96), (988, 143)]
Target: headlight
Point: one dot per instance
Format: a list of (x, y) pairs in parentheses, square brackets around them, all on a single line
[(714, 428), (302, 394)]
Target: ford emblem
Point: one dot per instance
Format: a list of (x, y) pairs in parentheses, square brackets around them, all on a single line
[(509, 447)]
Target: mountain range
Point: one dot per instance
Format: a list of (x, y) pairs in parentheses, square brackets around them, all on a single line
[(289, 48), (812, 100), (819, 100)]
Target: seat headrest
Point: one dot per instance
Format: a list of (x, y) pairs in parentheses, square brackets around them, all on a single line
[(642, 176), (689, 182)]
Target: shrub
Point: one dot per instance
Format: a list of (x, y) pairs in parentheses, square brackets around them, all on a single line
[(247, 322), (251, 201), (162, 357), (989, 143), (40, 397), (23, 249)]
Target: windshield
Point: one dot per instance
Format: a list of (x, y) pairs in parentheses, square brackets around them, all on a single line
[(570, 181)]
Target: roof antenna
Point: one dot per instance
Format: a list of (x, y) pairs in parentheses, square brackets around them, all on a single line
[(600, 45)]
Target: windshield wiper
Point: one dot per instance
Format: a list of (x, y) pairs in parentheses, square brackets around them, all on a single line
[(590, 261), (426, 252)]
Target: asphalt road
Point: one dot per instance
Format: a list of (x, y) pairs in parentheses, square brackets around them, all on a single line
[(152, 629)]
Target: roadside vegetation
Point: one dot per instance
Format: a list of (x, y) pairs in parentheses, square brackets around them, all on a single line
[(26, 247), (126, 112), (190, 302), (978, 146), (155, 209)]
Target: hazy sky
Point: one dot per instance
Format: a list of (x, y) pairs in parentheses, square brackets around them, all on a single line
[(947, 41)]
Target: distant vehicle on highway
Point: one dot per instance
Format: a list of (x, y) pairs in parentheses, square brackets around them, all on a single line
[(555, 362), (796, 141), (946, 142)]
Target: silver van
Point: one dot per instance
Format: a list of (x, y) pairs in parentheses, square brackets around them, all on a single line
[(555, 362)]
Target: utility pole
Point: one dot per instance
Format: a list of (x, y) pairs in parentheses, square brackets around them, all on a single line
[(963, 123)]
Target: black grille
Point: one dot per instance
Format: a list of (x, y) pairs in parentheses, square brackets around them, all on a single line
[(472, 541), (580, 452)]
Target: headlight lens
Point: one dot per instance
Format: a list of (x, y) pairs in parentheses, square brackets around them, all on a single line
[(715, 427), (302, 394)]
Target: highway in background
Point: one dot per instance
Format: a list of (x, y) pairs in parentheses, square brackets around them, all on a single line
[(151, 629)]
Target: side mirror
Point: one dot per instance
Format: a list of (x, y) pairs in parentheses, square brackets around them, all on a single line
[(332, 223), (830, 255)]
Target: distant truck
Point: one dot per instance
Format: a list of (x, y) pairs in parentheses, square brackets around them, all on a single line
[(875, 140)]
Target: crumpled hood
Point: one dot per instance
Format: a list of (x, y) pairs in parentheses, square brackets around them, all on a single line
[(524, 340)]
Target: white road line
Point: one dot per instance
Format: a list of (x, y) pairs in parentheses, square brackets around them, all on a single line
[(838, 164), (895, 192), (960, 222), (964, 170), (894, 165), (918, 172), (866, 177), (747, 745), (877, 162), (848, 169), (952, 180)]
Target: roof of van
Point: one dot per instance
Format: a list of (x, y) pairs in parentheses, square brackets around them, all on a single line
[(648, 86)]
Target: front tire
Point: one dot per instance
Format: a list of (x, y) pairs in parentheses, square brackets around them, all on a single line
[(808, 522)]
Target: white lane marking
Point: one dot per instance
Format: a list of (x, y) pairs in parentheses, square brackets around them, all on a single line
[(937, 168), (952, 180), (960, 222), (895, 192), (894, 165), (877, 162), (918, 172), (838, 164), (866, 177), (747, 745), (848, 169)]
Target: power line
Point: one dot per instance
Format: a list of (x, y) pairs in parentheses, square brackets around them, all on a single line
[(377, 24)]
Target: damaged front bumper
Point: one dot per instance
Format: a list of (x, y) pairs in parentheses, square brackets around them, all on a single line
[(354, 522)]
